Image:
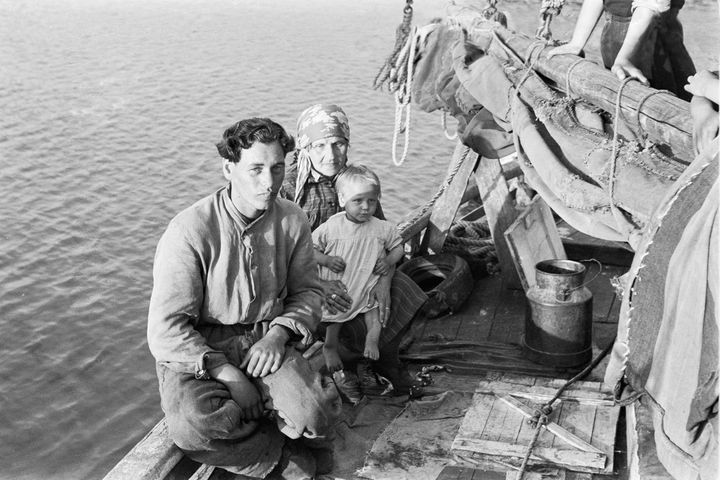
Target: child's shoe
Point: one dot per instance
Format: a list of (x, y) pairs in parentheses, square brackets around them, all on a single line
[(348, 384)]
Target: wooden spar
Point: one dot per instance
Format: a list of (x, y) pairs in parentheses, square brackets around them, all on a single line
[(663, 117)]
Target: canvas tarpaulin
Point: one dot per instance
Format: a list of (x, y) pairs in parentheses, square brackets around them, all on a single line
[(568, 162)]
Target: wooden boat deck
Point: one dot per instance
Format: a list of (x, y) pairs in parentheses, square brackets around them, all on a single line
[(482, 338)]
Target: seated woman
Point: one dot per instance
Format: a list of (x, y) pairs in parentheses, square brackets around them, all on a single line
[(322, 145)]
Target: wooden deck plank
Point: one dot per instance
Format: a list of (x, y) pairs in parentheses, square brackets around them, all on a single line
[(577, 419), (493, 427), (477, 415), (604, 432), (511, 427), (477, 314)]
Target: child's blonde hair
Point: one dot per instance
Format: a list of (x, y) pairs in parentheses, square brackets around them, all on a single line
[(357, 173)]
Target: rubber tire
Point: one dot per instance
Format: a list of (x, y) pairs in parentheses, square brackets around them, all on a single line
[(445, 278)]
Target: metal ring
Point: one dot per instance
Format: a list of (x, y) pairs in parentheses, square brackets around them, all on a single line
[(333, 296)]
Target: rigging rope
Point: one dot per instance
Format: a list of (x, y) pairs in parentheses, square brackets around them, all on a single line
[(403, 102), (401, 35), (445, 185), (397, 74)]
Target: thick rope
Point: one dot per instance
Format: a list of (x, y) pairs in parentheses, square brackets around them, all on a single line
[(540, 424), (613, 157), (530, 63), (642, 135), (568, 90), (401, 35)]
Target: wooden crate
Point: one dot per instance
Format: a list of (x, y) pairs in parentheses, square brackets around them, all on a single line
[(580, 435)]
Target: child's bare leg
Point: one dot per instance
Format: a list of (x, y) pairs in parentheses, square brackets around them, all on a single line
[(330, 349), (372, 324)]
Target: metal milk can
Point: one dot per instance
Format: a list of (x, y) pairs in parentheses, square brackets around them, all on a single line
[(558, 315)]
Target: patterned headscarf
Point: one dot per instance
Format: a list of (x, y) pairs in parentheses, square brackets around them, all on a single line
[(315, 123)]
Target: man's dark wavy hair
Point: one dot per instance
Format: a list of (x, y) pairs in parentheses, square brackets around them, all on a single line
[(245, 133)]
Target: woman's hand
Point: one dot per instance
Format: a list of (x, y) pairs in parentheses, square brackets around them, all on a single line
[(622, 68), (381, 267), (336, 297), (380, 294), (241, 389), (336, 264), (266, 355), (567, 49)]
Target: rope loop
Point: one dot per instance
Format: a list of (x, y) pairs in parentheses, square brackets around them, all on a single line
[(443, 122), (613, 157), (568, 90), (402, 102), (641, 134)]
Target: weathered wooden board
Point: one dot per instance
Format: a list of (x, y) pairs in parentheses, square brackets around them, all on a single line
[(532, 238), (544, 392), (446, 207), (579, 436), (153, 457), (500, 212)]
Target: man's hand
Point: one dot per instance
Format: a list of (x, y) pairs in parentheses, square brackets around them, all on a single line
[(336, 297), (242, 390), (705, 122), (380, 293), (266, 355), (336, 264)]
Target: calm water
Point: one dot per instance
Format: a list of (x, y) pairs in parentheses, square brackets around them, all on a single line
[(109, 114)]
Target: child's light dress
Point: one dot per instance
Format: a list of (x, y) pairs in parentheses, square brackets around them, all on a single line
[(360, 245)]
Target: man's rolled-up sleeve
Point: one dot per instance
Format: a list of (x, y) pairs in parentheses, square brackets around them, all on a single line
[(175, 304)]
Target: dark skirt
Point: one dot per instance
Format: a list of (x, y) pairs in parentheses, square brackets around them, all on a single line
[(662, 57)]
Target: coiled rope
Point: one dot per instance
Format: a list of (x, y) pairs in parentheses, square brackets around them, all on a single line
[(403, 101), (397, 74)]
